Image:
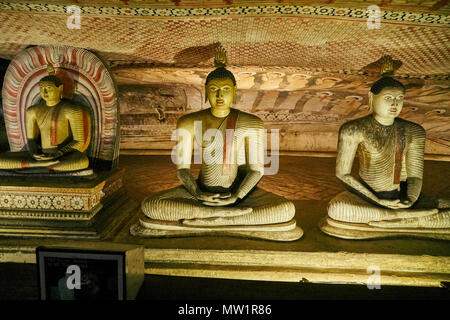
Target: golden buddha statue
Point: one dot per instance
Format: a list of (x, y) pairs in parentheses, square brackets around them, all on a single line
[(386, 200), (58, 133), (224, 200)]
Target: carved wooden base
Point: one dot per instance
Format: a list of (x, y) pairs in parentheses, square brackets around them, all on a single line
[(76, 209), (355, 231), (146, 227)]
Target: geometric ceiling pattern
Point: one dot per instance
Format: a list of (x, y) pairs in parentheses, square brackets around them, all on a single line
[(330, 36)]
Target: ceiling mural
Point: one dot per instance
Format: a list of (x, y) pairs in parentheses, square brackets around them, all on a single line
[(327, 36)]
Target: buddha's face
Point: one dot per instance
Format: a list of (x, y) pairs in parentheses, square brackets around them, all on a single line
[(50, 92), (220, 93), (388, 103)]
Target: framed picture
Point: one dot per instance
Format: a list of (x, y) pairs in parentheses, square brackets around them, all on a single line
[(76, 274)]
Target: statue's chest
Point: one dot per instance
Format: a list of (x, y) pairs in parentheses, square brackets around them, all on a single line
[(213, 133), (53, 125), (48, 117), (384, 140), (379, 144), (385, 151)]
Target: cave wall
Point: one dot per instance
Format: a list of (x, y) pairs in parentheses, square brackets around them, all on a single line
[(306, 106)]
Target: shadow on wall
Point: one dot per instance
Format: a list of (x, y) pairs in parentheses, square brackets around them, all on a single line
[(195, 55), (4, 146)]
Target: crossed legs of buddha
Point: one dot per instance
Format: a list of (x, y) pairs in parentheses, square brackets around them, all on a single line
[(349, 211), (258, 208)]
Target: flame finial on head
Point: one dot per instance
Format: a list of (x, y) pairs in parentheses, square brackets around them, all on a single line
[(51, 70), (220, 57), (51, 76), (220, 62), (387, 66)]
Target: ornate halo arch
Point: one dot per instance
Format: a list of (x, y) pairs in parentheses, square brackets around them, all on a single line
[(85, 78)]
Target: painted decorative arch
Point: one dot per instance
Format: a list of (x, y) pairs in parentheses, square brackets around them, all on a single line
[(86, 80)]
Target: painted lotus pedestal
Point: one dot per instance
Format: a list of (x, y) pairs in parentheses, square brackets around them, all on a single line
[(61, 118)]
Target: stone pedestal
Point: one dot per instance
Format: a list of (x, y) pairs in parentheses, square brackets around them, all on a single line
[(61, 206)]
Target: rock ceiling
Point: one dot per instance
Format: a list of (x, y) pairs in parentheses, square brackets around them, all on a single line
[(327, 35)]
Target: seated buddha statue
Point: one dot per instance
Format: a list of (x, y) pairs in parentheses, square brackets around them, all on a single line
[(224, 198), (385, 200), (58, 133)]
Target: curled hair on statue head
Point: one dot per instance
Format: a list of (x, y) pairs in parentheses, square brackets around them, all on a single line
[(52, 79), (220, 73), (386, 82)]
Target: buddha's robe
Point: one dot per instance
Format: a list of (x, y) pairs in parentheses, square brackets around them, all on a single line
[(390, 167), (244, 150), (65, 127)]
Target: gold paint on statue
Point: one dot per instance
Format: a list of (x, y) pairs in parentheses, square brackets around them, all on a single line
[(58, 133)]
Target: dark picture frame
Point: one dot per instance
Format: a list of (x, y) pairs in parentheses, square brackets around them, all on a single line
[(101, 274)]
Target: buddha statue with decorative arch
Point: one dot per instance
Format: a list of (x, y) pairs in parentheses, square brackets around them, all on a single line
[(61, 116), (58, 133)]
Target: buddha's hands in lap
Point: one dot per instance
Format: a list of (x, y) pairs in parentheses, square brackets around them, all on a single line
[(221, 200), (219, 216), (209, 196), (42, 157), (218, 211), (46, 157), (43, 163)]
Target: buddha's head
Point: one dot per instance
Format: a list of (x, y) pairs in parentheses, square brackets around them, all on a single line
[(386, 95), (51, 87), (220, 86), (386, 98)]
